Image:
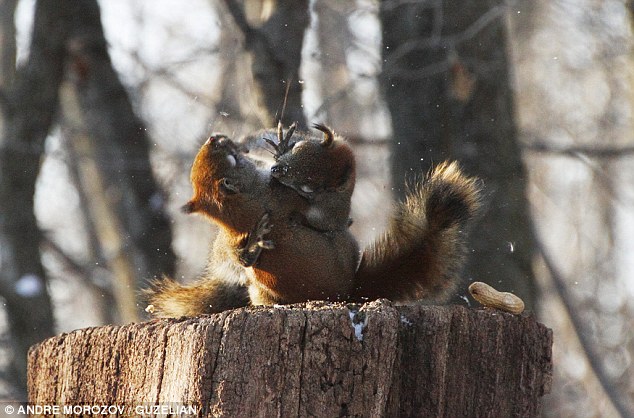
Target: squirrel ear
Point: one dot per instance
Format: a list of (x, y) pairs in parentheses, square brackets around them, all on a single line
[(190, 207), (329, 136)]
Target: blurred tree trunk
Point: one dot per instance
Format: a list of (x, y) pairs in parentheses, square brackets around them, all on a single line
[(29, 106), (575, 119), (236, 105), (137, 228), (446, 83), (334, 39), (7, 42), (114, 301), (274, 36)]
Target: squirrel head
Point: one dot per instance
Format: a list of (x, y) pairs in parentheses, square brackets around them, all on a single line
[(219, 174), (316, 165)]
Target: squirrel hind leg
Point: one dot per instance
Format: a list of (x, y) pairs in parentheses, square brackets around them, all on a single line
[(170, 299)]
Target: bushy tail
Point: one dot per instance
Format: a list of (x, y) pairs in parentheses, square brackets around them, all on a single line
[(421, 254), (169, 299)]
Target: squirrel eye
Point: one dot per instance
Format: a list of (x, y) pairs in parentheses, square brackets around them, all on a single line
[(279, 169)]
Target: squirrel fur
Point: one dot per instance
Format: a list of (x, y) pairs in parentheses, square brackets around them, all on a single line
[(323, 171), (421, 254), (293, 264), (277, 255)]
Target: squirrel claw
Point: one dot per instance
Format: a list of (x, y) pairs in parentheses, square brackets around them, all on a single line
[(255, 242), (266, 244), (283, 140), (263, 226)]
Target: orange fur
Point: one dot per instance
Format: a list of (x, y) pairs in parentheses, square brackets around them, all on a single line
[(419, 257), (304, 264)]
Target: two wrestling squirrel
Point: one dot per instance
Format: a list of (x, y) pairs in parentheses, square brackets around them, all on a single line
[(283, 230)]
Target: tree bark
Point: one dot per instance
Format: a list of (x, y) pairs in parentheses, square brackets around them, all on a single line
[(446, 82), (315, 359)]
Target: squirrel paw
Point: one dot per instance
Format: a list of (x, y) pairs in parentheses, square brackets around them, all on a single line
[(261, 230), (266, 244), (255, 242), (283, 141)]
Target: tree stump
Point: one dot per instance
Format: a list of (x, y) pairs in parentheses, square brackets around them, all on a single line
[(309, 360)]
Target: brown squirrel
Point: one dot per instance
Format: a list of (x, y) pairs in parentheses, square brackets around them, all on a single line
[(299, 263), (422, 252), (321, 170), (418, 257)]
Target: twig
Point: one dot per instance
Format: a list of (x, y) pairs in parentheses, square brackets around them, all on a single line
[(604, 152), (448, 42), (81, 271), (241, 20)]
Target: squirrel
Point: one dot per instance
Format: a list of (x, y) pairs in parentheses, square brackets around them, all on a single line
[(321, 170), (305, 163), (423, 249), (293, 264), (418, 257)]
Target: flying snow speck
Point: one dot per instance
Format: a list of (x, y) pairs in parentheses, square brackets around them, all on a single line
[(29, 286)]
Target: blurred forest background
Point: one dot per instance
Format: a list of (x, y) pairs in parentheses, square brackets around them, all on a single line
[(104, 105)]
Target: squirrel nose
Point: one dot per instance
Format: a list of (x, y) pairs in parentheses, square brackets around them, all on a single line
[(279, 170)]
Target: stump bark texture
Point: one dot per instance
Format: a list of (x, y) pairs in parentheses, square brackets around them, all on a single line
[(308, 360)]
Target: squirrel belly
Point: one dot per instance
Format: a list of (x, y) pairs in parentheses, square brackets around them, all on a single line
[(421, 254), (305, 264)]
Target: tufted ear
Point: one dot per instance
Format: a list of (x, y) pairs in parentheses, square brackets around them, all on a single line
[(190, 207), (329, 136)]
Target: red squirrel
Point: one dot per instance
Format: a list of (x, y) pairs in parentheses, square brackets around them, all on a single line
[(276, 254), (421, 253), (323, 171), (293, 263)]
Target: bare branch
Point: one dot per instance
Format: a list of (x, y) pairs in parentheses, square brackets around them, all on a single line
[(83, 272), (447, 42), (166, 74), (575, 151), (241, 20)]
